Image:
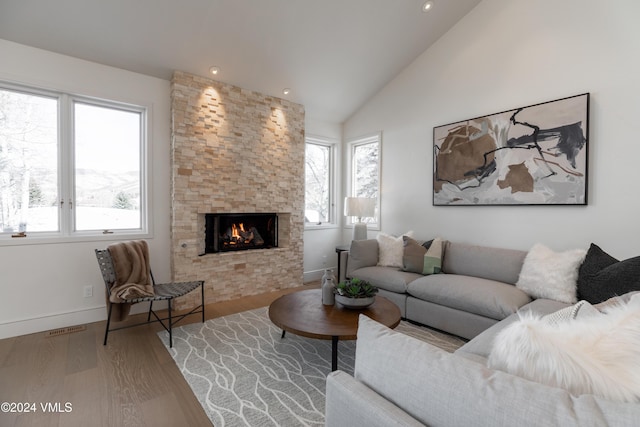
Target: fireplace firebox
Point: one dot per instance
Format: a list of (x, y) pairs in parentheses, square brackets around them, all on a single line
[(240, 231)]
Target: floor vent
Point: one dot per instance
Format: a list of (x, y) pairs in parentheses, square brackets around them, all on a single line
[(64, 331)]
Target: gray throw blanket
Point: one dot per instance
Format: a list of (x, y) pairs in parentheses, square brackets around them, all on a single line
[(133, 275)]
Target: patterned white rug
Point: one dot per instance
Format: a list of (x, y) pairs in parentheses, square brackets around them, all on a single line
[(244, 374)]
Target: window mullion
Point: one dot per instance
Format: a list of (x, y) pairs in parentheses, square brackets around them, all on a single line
[(145, 183), (66, 165), (332, 182)]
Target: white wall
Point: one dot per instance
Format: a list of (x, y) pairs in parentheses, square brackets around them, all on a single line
[(506, 54), (41, 285), (320, 244)]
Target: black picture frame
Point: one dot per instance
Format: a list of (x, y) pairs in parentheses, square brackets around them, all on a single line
[(534, 155)]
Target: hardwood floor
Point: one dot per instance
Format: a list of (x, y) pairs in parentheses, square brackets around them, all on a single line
[(73, 380)]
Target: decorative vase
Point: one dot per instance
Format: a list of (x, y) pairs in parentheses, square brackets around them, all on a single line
[(328, 273), (328, 288), (355, 303)]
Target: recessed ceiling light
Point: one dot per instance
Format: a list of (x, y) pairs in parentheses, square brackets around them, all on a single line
[(427, 6), (286, 91), (214, 70)]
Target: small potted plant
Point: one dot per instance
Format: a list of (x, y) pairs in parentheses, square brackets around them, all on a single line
[(355, 293)]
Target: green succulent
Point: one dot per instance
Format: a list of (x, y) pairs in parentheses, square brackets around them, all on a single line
[(356, 288)]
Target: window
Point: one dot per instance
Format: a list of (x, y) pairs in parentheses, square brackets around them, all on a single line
[(107, 167), (28, 162), (319, 182), (364, 173), (70, 166)]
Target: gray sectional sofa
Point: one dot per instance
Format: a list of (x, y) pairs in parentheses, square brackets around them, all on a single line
[(476, 291), (400, 381)]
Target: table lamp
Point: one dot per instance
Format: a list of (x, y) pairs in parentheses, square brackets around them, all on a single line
[(360, 207)]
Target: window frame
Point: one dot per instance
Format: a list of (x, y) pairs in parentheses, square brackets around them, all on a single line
[(66, 170), (331, 144), (352, 144)]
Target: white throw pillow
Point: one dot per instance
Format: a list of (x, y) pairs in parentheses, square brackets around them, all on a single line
[(390, 249), (581, 309), (549, 274), (595, 354)]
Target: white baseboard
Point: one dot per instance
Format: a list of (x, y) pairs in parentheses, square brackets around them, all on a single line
[(14, 328), (310, 276)]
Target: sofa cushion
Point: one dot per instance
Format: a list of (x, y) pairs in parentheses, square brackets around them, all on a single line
[(349, 403), (388, 278), (498, 264), (362, 253), (549, 274), (488, 298), (480, 346), (602, 276), (442, 389)]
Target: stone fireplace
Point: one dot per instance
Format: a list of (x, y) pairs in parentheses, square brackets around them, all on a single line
[(235, 151)]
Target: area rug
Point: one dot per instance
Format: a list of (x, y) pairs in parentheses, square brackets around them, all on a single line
[(244, 374)]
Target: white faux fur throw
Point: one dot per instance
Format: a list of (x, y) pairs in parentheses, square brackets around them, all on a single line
[(598, 354)]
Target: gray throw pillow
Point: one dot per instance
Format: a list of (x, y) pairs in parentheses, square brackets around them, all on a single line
[(362, 253)]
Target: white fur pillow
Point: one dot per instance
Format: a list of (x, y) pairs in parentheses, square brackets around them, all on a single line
[(595, 354), (549, 274), (390, 249)]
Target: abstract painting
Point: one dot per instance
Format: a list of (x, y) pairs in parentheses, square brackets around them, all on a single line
[(535, 155)]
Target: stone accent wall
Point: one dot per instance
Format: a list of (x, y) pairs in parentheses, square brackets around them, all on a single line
[(235, 150)]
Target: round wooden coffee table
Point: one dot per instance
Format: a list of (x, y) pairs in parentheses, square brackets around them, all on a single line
[(302, 313)]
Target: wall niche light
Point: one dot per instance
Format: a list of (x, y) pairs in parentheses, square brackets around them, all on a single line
[(214, 70)]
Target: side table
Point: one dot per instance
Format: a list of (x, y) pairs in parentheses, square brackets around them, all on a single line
[(339, 250)]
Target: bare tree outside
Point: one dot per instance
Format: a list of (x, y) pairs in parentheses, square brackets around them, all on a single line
[(366, 172), (28, 162), (317, 183)]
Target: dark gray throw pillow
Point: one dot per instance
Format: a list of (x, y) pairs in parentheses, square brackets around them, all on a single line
[(601, 276)]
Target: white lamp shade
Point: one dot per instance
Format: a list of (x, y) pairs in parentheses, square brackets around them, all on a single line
[(360, 207)]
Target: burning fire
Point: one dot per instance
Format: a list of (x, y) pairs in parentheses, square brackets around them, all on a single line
[(239, 235), (235, 234)]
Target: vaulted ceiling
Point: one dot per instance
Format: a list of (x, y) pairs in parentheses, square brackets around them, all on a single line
[(333, 54)]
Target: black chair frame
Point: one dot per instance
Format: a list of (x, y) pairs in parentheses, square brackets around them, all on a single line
[(163, 291)]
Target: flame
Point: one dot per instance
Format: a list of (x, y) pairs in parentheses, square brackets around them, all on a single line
[(235, 234)]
